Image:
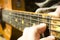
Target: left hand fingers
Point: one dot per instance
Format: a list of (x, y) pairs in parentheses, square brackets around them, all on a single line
[(56, 13), (34, 32)]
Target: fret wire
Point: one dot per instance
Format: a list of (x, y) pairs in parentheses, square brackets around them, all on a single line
[(39, 23), (30, 20), (48, 19), (17, 21), (38, 19), (22, 21)]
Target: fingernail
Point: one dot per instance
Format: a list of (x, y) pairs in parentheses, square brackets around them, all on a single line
[(42, 24)]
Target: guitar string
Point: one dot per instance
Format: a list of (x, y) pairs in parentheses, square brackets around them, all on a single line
[(32, 19)]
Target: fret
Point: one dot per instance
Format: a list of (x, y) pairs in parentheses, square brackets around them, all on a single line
[(20, 20), (39, 19)]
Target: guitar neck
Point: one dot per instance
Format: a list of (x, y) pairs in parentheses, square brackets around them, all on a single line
[(20, 19)]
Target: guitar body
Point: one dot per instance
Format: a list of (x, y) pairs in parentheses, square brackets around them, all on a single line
[(7, 32), (1, 30)]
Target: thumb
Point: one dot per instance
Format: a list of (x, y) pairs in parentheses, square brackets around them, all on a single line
[(56, 13), (58, 10)]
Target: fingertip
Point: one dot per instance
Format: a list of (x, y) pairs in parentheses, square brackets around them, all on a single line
[(58, 9), (41, 27), (43, 24)]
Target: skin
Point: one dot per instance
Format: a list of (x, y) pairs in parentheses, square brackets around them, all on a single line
[(33, 33)]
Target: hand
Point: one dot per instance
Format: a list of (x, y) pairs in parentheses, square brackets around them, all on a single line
[(33, 33)]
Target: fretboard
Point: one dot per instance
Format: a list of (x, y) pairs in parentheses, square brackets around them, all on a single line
[(21, 19)]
